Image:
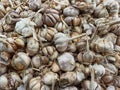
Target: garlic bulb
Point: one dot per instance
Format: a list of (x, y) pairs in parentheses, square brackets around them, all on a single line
[(71, 78), (50, 78), (71, 11), (51, 52), (87, 84), (3, 82), (46, 34), (99, 70), (107, 78), (34, 4), (59, 39), (35, 83), (45, 87), (69, 88), (38, 19), (102, 45), (111, 37), (60, 26), (113, 7), (32, 46), (9, 81), (20, 61), (36, 62), (66, 62), (101, 11), (110, 88), (68, 78), (55, 67), (25, 27)]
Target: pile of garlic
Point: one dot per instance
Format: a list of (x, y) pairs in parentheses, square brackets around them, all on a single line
[(59, 45)]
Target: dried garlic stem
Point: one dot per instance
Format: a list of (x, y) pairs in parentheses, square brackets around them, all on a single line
[(114, 22), (92, 78), (76, 37), (64, 21), (88, 49), (60, 3), (53, 85), (11, 3)]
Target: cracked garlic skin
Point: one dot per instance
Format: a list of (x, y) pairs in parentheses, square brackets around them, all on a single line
[(25, 27), (66, 62)]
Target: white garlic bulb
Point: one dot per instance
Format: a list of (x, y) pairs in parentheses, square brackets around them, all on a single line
[(66, 62), (25, 27), (102, 45), (20, 61), (3, 82), (9, 81), (69, 88), (45, 87), (99, 69), (34, 4), (60, 41), (68, 78), (110, 88), (32, 46), (36, 62), (50, 78), (71, 78), (34, 83)]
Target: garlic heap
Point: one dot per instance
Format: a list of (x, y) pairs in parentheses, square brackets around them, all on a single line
[(59, 45)]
